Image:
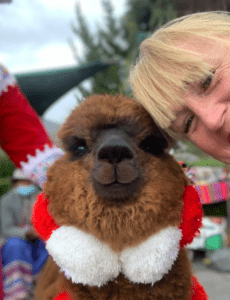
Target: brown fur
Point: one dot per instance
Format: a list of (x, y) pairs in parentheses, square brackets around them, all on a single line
[(174, 285), (155, 203)]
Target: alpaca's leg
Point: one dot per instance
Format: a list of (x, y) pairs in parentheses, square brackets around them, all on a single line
[(47, 286)]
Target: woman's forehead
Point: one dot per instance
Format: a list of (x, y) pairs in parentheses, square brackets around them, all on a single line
[(210, 49)]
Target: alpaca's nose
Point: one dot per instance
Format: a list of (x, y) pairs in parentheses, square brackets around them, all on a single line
[(114, 150)]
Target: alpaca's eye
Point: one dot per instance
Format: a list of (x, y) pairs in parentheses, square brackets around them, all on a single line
[(80, 150), (77, 146), (154, 144)]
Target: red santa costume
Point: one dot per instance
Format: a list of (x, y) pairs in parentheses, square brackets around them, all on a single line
[(58, 236), (22, 135)]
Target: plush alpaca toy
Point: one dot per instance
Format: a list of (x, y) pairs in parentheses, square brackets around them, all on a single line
[(117, 210)]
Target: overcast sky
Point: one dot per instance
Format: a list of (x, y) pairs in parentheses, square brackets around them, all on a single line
[(34, 33), (34, 36)]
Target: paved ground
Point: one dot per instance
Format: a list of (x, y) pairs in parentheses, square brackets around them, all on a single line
[(216, 284)]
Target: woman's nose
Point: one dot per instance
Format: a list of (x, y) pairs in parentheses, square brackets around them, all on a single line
[(212, 116), (209, 110)]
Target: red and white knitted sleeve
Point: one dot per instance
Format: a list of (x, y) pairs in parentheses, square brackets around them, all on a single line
[(22, 135)]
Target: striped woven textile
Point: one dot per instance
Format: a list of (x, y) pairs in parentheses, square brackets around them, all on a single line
[(18, 280), (214, 192)]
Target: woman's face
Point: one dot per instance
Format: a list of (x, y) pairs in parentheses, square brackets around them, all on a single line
[(205, 117)]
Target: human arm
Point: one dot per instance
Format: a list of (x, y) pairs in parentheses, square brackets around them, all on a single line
[(22, 135), (31, 235)]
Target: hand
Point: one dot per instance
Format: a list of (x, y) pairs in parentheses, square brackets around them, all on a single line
[(32, 235)]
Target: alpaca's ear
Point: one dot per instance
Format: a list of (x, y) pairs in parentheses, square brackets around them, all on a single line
[(170, 141), (154, 144), (157, 142)]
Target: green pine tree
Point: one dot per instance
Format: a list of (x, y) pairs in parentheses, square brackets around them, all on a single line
[(162, 11), (118, 40), (107, 43), (150, 14)]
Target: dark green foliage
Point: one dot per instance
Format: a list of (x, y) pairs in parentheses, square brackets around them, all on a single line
[(162, 11), (150, 14), (216, 209), (6, 167), (118, 40), (6, 170), (107, 43), (5, 185)]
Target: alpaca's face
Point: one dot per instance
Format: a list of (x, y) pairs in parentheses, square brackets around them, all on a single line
[(116, 180)]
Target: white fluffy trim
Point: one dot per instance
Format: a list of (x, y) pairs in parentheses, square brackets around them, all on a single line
[(36, 166), (82, 256), (150, 260), (89, 261), (6, 80)]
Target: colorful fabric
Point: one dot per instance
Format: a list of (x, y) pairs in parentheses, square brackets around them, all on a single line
[(36, 166), (213, 192), (207, 174), (1, 282), (21, 262)]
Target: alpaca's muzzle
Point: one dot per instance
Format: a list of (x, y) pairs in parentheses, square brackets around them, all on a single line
[(116, 174)]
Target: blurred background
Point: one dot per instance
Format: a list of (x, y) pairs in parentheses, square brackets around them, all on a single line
[(63, 51)]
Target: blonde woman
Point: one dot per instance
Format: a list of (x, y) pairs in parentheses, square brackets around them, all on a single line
[(182, 77)]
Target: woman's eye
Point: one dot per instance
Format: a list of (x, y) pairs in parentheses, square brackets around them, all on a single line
[(188, 124), (207, 82)]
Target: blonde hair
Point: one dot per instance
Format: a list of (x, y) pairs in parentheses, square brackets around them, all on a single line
[(163, 71)]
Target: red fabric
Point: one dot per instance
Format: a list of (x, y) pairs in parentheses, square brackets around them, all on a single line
[(191, 215), (21, 130), (42, 220), (63, 296), (198, 290)]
